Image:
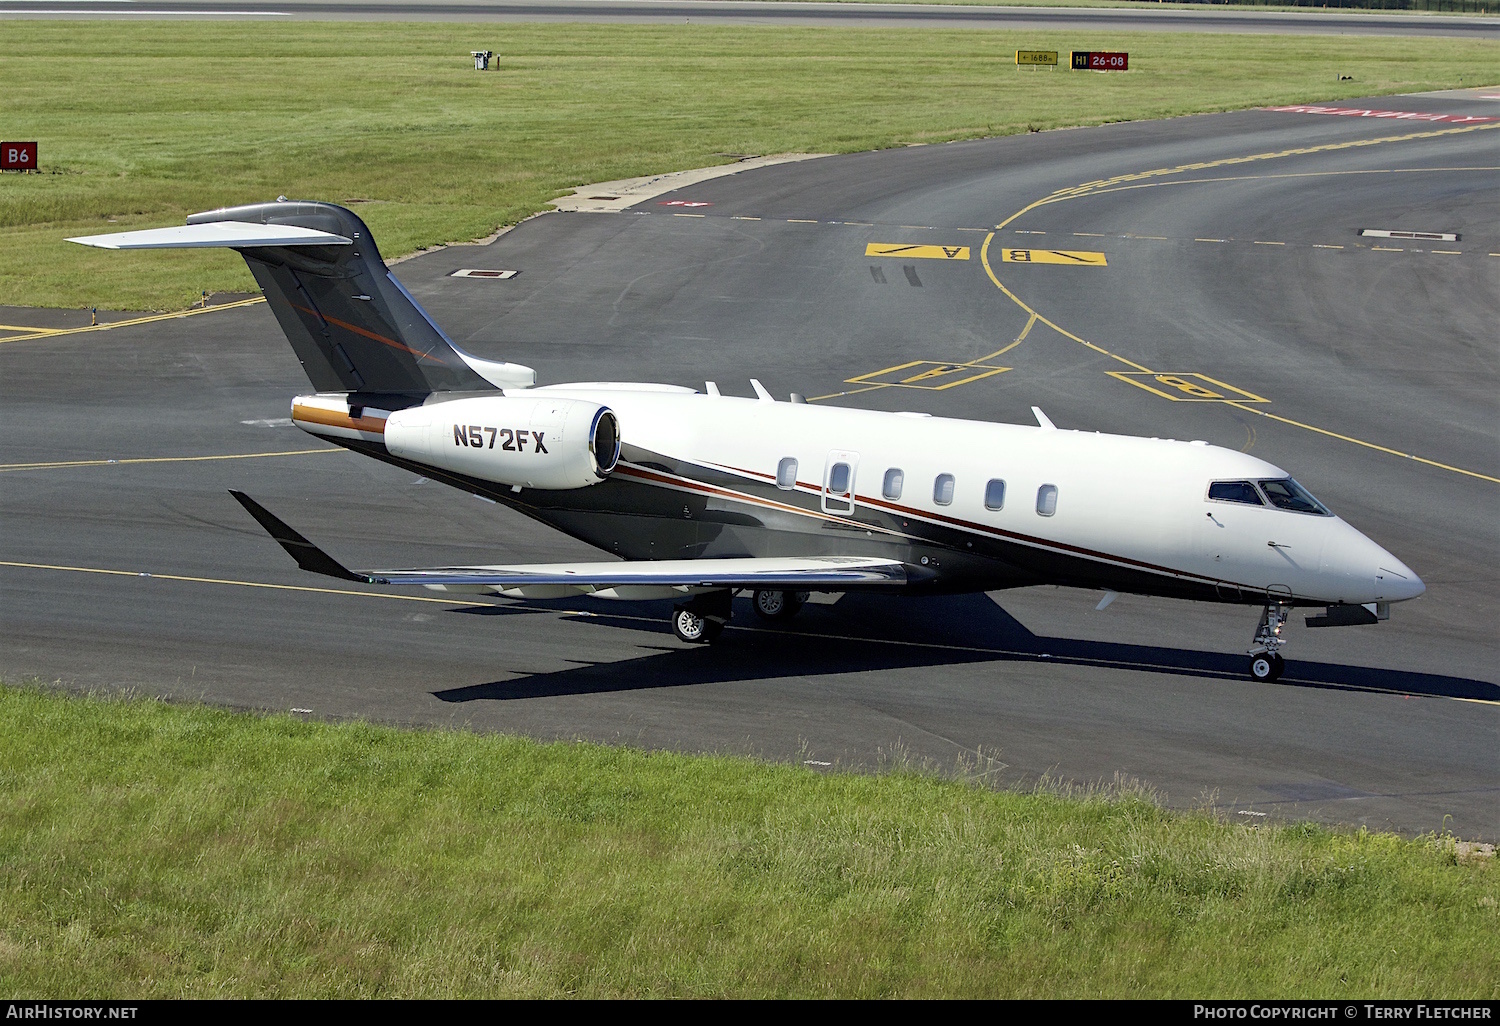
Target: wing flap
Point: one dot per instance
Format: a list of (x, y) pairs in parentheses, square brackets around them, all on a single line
[(215, 234)]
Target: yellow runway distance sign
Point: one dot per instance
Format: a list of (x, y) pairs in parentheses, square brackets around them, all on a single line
[(1187, 387), (1072, 257), (928, 374), (1036, 57), (911, 252)]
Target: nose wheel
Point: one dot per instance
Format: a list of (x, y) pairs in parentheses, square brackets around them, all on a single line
[(1266, 668), (1266, 663)]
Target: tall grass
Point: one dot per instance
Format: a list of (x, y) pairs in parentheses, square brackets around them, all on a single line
[(141, 123), (156, 850)]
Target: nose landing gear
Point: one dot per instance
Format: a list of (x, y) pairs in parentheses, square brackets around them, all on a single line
[(1266, 662)]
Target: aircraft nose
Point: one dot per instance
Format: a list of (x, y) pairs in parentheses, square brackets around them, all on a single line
[(1370, 573), (1397, 580)]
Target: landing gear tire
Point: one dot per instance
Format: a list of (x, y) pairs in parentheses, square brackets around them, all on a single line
[(694, 628), (777, 605), (1266, 668)]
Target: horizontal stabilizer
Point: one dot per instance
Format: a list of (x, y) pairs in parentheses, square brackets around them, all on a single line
[(215, 234), (805, 573)]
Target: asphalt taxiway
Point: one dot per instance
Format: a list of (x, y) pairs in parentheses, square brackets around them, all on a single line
[(1202, 277)]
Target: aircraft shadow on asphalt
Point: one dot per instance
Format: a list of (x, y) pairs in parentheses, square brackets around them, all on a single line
[(875, 632)]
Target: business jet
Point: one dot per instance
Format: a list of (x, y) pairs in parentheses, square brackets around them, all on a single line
[(700, 495)]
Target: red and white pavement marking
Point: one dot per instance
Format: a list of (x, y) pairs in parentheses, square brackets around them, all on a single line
[(1392, 115)]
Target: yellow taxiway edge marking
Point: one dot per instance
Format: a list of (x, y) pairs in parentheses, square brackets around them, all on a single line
[(1367, 445), (913, 252), (63, 464), (984, 259), (1072, 258), (150, 319), (239, 584)]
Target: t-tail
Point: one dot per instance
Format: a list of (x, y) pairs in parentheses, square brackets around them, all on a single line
[(350, 321)]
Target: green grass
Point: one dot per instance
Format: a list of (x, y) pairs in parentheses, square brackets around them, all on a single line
[(149, 850), (144, 122)]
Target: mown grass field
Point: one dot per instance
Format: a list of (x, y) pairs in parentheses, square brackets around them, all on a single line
[(143, 122), (156, 850)]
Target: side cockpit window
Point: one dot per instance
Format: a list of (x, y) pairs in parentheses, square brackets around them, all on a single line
[(1289, 495), (1234, 491)]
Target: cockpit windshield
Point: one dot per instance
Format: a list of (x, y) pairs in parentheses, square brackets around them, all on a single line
[(1288, 494), (1234, 491)]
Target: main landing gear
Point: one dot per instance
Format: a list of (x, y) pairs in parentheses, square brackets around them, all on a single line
[(1266, 663), (701, 620), (778, 605)]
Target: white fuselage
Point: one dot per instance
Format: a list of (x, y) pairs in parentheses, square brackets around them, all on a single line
[(1120, 501)]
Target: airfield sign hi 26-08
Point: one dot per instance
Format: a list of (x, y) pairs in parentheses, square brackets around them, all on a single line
[(1100, 60)]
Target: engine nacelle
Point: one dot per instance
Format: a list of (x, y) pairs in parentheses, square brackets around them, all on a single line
[(521, 440)]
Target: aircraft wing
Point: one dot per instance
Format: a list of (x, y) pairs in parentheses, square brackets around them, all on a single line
[(805, 573)]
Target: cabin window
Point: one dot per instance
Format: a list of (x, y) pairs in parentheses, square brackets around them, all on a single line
[(1288, 494), (838, 479), (942, 489), (1234, 491), (894, 479), (786, 474), (1046, 500), (994, 494)]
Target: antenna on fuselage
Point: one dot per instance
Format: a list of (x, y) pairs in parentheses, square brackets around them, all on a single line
[(1041, 419)]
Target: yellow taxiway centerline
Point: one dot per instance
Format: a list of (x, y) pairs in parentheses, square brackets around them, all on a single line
[(226, 582), (37, 333), (64, 464), (238, 584), (1111, 184)]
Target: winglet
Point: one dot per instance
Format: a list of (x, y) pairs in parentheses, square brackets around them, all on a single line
[(308, 556), (1041, 419)]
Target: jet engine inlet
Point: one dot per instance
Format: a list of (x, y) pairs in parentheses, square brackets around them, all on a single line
[(604, 441)]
